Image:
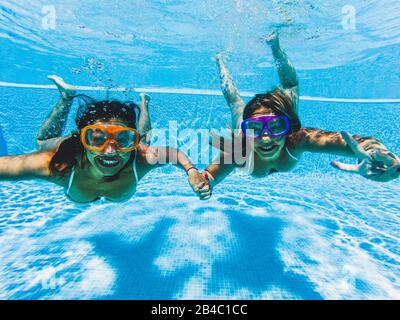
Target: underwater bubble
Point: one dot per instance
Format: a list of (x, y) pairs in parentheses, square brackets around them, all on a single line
[(100, 66), (75, 70)]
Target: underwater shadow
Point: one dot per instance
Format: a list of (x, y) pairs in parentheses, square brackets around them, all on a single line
[(255, 263), (137, 277)]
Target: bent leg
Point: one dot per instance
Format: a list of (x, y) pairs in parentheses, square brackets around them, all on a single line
[(286, 71), (144, 124), (51, 130), (231, 93)]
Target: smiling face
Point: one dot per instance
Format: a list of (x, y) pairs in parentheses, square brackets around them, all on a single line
[(266, 147), (111, 160)]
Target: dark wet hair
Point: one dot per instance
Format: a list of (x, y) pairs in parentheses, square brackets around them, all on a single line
[(278, 102), (89, 112)]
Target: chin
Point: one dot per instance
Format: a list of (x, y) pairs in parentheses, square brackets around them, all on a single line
[(109, 172), (268, 155)]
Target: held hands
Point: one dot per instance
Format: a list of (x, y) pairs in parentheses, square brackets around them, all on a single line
[(376, 164), (200, 185)]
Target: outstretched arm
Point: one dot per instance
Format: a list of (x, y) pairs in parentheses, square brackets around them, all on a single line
[(231, 156), (375, 161), (163, 155), (24, 167), (218, 170), (321, 141)]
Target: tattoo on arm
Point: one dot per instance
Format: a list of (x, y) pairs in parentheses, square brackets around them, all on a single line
[(369, 143), (322, 137), (316, 140)]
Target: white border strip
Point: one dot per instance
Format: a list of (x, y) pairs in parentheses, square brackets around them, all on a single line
[(191, 92)]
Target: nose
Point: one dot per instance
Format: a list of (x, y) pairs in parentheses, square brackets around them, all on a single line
[(111, 148), (265, 137)]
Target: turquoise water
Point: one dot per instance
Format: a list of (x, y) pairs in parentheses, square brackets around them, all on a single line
[(313, 233)]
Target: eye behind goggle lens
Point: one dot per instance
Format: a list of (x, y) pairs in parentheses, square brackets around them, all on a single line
[(254, 128), (95, 137), (126, 139), (278, 126)]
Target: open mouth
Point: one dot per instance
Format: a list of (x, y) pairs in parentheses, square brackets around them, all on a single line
[(108, 162), (268, 148)]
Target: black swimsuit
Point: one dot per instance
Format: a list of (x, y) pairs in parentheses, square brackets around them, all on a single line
[(272, 171)]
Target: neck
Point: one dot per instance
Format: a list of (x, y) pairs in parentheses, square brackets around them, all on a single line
[(90, 170)]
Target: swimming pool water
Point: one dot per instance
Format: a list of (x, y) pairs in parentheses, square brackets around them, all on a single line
[(312, 233)]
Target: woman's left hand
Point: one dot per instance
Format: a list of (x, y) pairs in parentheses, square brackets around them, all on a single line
[(200, 185), (375, 164)]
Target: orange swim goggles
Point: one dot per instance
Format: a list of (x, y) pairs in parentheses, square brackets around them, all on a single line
[(97, 137)]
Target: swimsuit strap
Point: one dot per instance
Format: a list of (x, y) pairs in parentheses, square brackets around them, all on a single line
[(134, 167), (292, 156), (71, 179)]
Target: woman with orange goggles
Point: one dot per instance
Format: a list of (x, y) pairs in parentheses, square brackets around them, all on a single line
[(106, 157), (97, 137)]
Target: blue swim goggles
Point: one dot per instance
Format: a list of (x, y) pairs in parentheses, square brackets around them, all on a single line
[(275, 126)]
